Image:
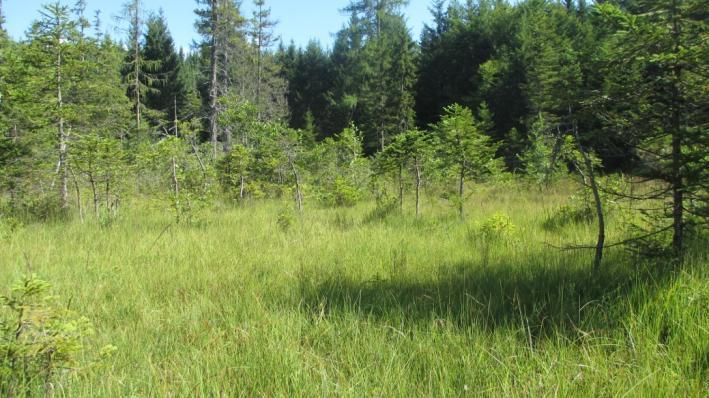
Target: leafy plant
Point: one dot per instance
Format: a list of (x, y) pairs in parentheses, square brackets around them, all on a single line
[(285, 220), (41, 342), (496, 228)]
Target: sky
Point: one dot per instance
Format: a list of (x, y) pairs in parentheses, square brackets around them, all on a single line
[(299, 20)]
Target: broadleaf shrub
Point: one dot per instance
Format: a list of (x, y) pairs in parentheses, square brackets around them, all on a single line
[(498, 227)]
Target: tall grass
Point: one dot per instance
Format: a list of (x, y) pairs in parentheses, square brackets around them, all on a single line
[(343, 303)]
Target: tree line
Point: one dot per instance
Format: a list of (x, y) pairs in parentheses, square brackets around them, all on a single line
[(491, 88)]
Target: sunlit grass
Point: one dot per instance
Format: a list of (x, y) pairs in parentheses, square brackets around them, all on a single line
[(235, 305)]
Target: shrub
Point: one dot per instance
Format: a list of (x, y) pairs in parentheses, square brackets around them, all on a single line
[(40, 340), (285, 220), (342, 194), (496, 228), (8, 226)]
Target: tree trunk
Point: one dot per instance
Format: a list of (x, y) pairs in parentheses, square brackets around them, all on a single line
[(677, 183), (78, 195), (242, 186), (597, 200), (63, 186), (418, 187), (213, 77), (136, 63), (108, 194), (174, 120), (226, 131), (94, 191), (401, 187), (298, 193), (176, 185), (461, 189), (259, 44)]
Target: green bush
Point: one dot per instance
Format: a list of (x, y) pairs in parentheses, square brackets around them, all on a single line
[(342, 194), (496, 228), (8, 226), (285, 220), (41, 341)]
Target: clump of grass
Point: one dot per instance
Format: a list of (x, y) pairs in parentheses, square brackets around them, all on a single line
[(577, 211), (385, 207)]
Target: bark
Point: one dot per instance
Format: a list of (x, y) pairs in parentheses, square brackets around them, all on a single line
[(108, 194), (94, 191), (259, 62), (401, 187), (677, 193), (461, 189), (597, 200), (78, 195), (677, 183), (242, 186), (226, 131), (175, 183), (136, 63), (213, 77), (177, 131), (298, 193), (418, 187), (63, 186)]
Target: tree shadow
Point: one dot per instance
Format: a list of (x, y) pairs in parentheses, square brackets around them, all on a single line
[(537, 300)]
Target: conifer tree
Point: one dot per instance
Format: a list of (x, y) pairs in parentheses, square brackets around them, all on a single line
[(262, 37), (168, 94), (384, 67), (134, 72), (655, 98), (53, 52), (220, 24), (468, 152)]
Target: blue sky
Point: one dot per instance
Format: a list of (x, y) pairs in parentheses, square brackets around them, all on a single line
[(299, 20)]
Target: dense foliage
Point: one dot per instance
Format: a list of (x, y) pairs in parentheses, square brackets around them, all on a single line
[(537, 88)]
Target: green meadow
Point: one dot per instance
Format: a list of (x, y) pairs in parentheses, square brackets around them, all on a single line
[(358, 302)]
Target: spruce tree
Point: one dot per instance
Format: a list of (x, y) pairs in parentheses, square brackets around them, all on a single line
[(168, 95), (655, 98), (53, 52), (467, 151)]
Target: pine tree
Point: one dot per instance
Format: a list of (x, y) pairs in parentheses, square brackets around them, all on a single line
[(134, 72), (262, 38), (384, 67), (467, 150), (220, 24), (655, 98), (54, 53), (168, 94), (309, 74)]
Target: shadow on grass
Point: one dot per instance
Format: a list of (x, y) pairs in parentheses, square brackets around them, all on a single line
[(537, 300)]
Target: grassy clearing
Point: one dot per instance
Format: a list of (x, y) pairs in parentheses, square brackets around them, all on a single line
[(336, 305)]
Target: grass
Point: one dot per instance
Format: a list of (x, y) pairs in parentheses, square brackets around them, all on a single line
[(342, 303)]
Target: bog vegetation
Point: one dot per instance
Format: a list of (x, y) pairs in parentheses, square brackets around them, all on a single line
[(513, 204)]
